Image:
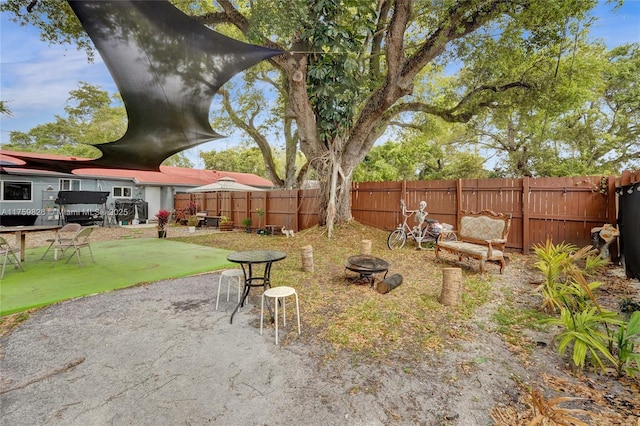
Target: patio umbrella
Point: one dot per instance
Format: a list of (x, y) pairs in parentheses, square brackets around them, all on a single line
[(225, 184)]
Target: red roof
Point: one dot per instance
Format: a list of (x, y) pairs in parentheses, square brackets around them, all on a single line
[(166, 176)]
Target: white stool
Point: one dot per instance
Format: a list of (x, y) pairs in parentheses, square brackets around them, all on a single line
[(279, 293), (231, 275)]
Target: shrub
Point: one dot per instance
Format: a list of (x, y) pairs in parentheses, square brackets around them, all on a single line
[(627, 337), (163, 218)]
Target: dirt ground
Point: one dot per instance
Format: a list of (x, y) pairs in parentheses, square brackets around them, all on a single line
[(161, 354)]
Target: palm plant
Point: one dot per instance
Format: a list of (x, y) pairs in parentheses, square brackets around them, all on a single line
[(583, 330), (564, 281), (627, 337)]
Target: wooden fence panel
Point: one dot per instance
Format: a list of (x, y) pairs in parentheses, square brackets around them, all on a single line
[(498, 195), (629, 177), (239, 207), (180, 204), (563, 209), (308, 208), (378, 205), (282, 209), (440, 197), (212, 203)]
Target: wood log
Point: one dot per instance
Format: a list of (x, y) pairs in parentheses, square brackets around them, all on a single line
[(451, 293), (365, 247), (388, 284), (306, 253)]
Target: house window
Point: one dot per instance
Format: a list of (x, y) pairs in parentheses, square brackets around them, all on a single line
[(17, 191), (69, 184), (121, 192)]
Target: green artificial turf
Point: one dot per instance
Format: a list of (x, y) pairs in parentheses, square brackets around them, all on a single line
[(118, 264)]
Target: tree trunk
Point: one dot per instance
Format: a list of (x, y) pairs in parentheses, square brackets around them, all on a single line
[(335, 191)]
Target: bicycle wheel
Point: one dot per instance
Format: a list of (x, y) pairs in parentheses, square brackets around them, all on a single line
[(447, 236), (396, 239)]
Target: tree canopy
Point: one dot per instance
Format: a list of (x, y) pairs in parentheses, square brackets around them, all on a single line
[(517, 74)]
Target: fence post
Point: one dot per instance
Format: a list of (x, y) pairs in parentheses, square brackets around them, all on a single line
[(525, 215), (612, 215), (298, 209), (458, 200)]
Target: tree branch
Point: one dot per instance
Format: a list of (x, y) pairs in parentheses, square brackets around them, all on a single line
[(212, 18), (458, 23), (255, 134)]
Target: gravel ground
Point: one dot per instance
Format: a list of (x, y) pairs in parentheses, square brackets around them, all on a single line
[(162, 354)]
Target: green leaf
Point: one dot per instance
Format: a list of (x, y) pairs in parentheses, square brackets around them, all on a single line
[(633, 326), (579, 353)]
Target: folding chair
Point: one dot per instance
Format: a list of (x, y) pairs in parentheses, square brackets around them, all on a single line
[(78, 241), (5, 251), (65, 233)]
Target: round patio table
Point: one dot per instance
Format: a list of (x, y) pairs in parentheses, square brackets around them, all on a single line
[(248, 259)]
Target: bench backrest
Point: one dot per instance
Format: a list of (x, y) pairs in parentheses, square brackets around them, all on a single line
[(485, 225)]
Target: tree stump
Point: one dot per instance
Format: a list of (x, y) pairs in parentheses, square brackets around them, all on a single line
[(365, 247), (388, 284), (451, 286), (307, 258)]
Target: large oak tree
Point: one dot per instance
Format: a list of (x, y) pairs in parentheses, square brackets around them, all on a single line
[(351, 66)]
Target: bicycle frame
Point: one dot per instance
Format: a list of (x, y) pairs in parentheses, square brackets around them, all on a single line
[(399, 236), (428, 229)]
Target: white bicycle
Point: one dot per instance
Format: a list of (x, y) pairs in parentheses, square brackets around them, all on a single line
[(430, 230)]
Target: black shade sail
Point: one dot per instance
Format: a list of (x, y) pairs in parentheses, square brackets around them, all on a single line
[(167, 67)]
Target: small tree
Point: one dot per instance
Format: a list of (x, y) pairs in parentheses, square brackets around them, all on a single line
[(260, 213)]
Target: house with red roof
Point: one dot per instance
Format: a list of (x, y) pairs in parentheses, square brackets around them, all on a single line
[(30, 192)]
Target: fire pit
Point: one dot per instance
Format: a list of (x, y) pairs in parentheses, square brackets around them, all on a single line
[(367, 266)]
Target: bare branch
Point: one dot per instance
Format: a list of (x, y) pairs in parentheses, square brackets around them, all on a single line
[(212, 18)]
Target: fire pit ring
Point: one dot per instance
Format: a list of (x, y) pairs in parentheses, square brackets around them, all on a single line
[(367, 266)]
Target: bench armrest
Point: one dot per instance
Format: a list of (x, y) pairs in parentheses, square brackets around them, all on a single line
[(496, 241)]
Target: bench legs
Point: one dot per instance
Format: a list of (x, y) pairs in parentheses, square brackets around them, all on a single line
[(502, 262)]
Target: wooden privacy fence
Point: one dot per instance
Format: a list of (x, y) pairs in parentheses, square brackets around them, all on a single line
[(295, 209), (563, 209)]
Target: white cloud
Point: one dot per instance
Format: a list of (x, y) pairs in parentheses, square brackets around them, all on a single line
[(45, 83), (36, 78)]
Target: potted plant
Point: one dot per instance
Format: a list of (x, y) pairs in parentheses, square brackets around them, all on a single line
[(226, 224), (163, 220), (247, 222), (190, 210), (192, 222)]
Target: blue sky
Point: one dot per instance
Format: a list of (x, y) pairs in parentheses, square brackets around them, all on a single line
[(35, 78)]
